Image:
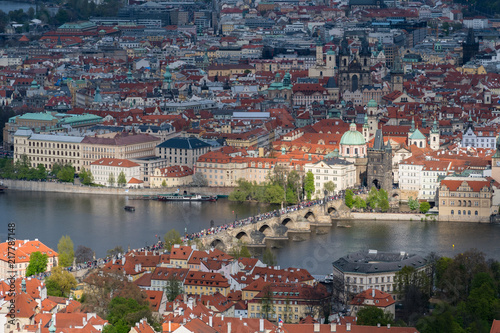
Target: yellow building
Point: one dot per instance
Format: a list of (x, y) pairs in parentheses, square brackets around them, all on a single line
[(465, 199), (173, 176), (229, 69), (472, 69), (205, 283), (290, 301)]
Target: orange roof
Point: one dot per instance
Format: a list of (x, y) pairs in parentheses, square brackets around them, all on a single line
[(379, 298), (476, 185), (135, 181), (24, 248)]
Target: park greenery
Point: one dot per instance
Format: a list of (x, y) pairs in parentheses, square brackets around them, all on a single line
[(86, 177), (38, 263), (281, 186), (60, 282), (21, 169), (171, 238), (66, 251), (377, 199)]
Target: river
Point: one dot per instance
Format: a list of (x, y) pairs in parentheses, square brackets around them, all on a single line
[(7, 6), (101, 223)]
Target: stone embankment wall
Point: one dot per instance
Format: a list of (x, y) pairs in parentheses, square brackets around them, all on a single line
[(38, 186), (392, 217)]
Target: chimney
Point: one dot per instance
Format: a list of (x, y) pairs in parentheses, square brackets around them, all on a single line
[(388, 326), (261, 325), (333, 327), (169, 326), (373, 293), (229, 327), (378, 325), (210, 323), (348, 327), (316, 327), (241, 317)]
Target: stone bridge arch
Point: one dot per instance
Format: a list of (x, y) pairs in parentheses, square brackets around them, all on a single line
[(217, 243), (288, 221), (243, 236), (266, 230), (310, 216), (332, 210)]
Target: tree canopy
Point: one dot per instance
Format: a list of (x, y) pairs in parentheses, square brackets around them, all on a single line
[(171, 238), (38, 263), (60, 282), (66, 251)]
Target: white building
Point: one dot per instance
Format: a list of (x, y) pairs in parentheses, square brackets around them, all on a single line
[(341, 172), (429, 178), (478, 138), (476, 23), (103, 168), (410, 171)]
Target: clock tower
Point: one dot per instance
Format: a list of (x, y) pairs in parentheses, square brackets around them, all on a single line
[(495, 163)]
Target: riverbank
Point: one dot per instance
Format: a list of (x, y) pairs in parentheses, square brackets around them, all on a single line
[(392, 217), (38, 186)]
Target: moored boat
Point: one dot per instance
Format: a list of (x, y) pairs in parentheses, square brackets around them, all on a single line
[(186, 197), (2, 188), (129, 208)]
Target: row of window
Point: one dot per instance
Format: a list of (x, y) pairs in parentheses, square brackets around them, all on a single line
[(462, 212)]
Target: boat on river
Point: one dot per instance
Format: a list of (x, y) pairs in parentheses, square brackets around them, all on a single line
[(129, 208), (3, 188), (186, 197)]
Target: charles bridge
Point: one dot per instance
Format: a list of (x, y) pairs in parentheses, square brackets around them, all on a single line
[(293, 225)]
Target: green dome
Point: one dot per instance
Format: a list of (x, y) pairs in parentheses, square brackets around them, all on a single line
[(372, 103), (352, 138)]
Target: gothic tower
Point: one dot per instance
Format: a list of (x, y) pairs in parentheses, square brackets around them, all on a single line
[(379, 168), (397, 73), (470, 48), (372, 111)]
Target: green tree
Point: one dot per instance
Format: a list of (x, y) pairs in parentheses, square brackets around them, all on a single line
[(123, 313), (373, 198), (412, 203), (424, 207), (173, 288), (274, 194), (384, 205), (111, 179), (330, 187), (41, 172), (294, 182), (86, 177), (441, 320), (359, 203), (121, 179), (164, 183), (309, 186), (66, 251), (66, 173), (269, 258), (349, 198), (171, 238), (291, 197), (38, 263), (240, 250), (60, 282), (413, 288), (371, 316)]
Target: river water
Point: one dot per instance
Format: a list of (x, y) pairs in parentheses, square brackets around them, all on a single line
[(7, 6), (101, 223)]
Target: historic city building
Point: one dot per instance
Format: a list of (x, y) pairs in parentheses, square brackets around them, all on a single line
[(354, 72), (379, 168)]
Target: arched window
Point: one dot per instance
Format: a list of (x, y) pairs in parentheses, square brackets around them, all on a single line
[(468, 213), (475, 213), (452, 212), (464, 211), (459, 212)]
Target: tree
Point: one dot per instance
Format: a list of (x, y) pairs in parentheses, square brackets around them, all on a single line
[(86, 177), (240, 250), (412, 203), (66, 251), (199, 179), (269, 258), (115, 251), (349, 198), (294, 182), (373, 198), (173, 288), (38, 263), (359, 203), (164, 183), (60, 282), (83, 254), (424, 207), (111, 179), (371, 316), (123, 313), (274, 194), (171, 238), (329, 186), (41, 172), (309, 186), (384, 205), (121, 179), (66, 173), (413, 288), (105, 285)]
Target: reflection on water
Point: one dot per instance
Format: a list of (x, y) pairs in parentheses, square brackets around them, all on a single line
[(100, 222)]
